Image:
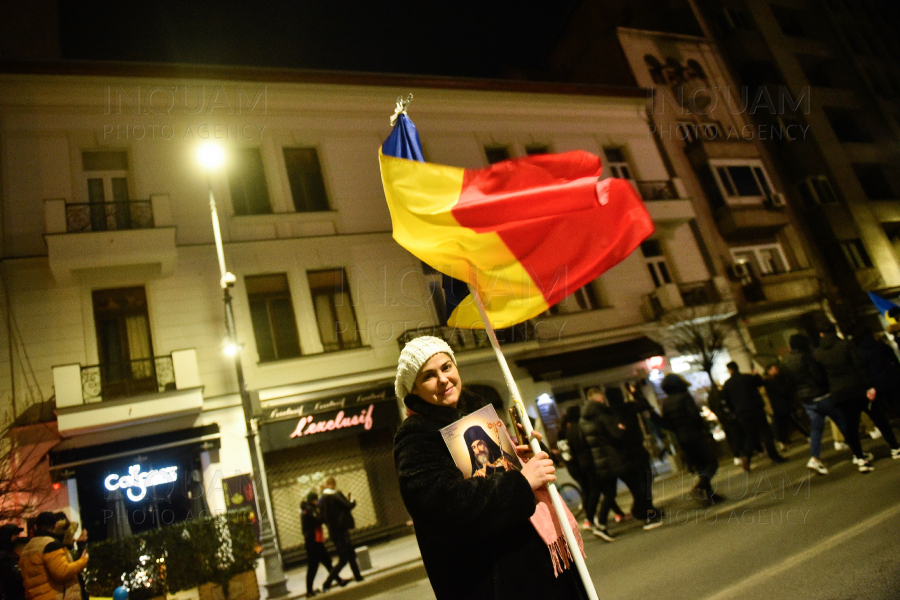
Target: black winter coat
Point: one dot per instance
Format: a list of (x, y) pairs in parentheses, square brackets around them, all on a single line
[(682, 417), (310, 521), (806, 377), (615, 450), (843, 364), (581, 462), (741, 394), (881, 363), (474, 534), (336, 512), (11, 577)]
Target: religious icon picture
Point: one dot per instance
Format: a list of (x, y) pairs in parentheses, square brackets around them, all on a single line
[(481, 445)]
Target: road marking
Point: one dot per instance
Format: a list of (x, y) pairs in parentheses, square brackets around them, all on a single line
[(820, 547)]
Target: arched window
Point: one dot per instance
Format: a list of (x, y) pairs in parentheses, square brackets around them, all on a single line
[(655, 68), (477, 396), (694, 66)]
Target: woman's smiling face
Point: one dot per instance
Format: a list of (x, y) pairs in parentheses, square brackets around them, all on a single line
[(438, 381)]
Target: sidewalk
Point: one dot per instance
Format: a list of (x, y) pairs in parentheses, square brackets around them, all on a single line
[(398, 562)]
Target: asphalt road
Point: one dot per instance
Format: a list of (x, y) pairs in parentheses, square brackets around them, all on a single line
[(782, 533)]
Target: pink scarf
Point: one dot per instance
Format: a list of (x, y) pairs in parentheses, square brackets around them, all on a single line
[(546, 523)]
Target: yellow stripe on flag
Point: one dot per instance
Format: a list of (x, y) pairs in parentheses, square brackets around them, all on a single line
[(420, 197)]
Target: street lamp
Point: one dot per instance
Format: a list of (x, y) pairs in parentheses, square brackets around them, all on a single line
[(212, 156)]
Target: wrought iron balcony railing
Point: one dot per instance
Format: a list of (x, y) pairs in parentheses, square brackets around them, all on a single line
[(657, 190), (469, 339), (109, 216), (133, 378)]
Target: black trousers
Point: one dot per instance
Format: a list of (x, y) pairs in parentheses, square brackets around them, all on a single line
[(346, 555), (608, 489), (782, 422), (755, 429), (639, 482), (854, 407), (316, 554)]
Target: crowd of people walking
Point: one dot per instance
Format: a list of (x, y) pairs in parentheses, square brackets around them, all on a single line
[(838, 379)]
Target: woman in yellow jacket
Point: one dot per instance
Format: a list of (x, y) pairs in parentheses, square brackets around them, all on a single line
[(48, 571)]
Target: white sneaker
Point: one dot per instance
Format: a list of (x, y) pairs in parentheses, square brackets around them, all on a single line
[(841, 446), (863, 465), (895, 453), (875, 434), (603, 534), (586, 525), (737, 460), (780, 446), (816, 465)]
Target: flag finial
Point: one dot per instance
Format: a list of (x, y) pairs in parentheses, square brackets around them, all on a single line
[(401, 108)]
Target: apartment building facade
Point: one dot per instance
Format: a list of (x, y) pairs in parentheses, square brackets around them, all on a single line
[(111, 280)]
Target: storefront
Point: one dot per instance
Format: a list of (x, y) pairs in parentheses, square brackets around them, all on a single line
[(138, 484), (347, 436)]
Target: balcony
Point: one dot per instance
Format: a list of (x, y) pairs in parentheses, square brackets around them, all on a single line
[(673, 297), (749, 220), (99, 396), (461, 340), (666, 201), (91, 236)]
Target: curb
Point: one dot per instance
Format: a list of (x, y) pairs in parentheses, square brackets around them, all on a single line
[(376, 582)]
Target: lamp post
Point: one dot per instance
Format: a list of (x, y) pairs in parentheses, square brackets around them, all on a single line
[(212, 156)]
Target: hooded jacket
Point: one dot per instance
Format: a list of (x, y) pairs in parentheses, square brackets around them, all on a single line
[(843, 364), (807, 378), (48, 573), (680, 414), (475, 537)]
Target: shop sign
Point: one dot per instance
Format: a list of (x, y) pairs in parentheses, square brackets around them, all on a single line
[(350, 403), (135, 480), (286, 433)]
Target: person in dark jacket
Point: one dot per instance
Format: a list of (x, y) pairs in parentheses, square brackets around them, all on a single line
[(784, 414), (681, 416), (475, 535), (883, 367), (314, 540), (10, 548), (741, 393), (336, 510), (615, 439), (580, 465), (853, 389)]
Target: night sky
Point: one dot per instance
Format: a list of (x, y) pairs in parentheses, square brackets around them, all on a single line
[(463, 38)]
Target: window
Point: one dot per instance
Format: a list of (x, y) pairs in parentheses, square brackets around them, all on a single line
[(688, 131), (495, 154), (766, 259), (874, 182), (742, 183), (656, 263), (732, 18), (816, 190), (334, 309), (583, 299), (106, 181), (127, 366), (846, 126), (616, 164), (305, 177), (533, 149), (272, 314), (247, 181), (856, 254), (817, 70)]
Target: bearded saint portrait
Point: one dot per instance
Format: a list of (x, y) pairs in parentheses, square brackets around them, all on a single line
[(487, 457)]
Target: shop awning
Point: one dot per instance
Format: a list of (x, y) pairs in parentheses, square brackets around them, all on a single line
[(590, 360), (206, 438)]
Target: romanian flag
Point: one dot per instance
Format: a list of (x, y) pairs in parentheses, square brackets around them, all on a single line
[(889, 310), (525, 233)]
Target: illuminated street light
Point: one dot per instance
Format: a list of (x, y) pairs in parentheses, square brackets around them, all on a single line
[(212, 157)]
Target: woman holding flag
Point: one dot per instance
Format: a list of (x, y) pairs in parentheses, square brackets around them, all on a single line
[(482, 537)]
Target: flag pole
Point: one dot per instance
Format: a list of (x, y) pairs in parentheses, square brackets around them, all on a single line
[(536, 447)]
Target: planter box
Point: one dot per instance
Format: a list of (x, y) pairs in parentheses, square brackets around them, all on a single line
[(243, 587)]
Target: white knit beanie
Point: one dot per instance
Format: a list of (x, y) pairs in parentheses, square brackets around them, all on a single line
[(416, 353)]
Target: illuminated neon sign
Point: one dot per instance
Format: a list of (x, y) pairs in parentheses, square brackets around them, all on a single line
[(140, 481), (308, 425)]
